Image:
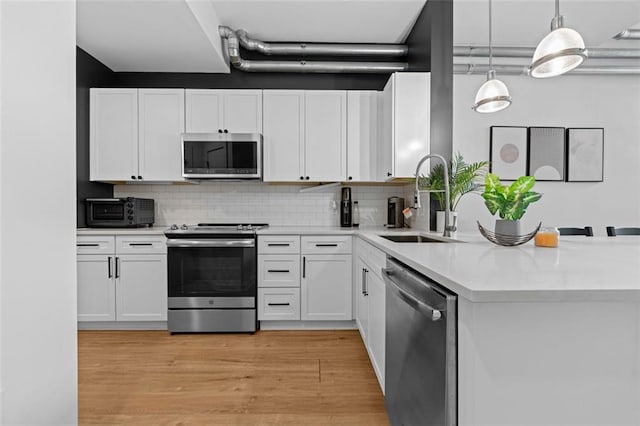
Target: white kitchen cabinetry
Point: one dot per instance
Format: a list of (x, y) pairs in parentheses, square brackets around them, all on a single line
[(326, 290), (370, 304), (135, 134), (362, 136), (122, 278), (278, 277), (229, 111), (305, 135), (405, 122)]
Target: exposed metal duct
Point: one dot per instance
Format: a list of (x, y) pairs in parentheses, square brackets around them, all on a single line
[(527, 52), (233, 48), (524, 69), (319, 49)]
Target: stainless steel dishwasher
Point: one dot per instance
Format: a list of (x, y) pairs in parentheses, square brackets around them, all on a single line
[(421, 349)]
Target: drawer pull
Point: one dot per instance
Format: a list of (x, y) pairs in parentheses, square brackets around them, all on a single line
[(140, 244), (327, 245), (286, 271), (278, 244), (88, 245), (279, 304)]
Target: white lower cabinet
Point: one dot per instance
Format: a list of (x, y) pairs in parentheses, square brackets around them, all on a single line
[(370, 304), (121, 287), (305, 277), (326, 287)]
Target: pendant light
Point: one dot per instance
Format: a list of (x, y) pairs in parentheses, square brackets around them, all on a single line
[(559, 52), (493, 95)]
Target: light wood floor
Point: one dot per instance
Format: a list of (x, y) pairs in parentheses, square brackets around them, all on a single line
[(270, 378)]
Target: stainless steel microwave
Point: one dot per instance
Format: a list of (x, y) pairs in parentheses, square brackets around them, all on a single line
[(222, 156)]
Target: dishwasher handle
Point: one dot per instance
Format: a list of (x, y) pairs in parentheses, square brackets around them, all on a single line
[(432, 313)]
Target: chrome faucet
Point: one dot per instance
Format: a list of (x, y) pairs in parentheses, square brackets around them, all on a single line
[(448, 229)]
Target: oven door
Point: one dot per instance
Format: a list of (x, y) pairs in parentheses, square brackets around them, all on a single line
[(212, 273)]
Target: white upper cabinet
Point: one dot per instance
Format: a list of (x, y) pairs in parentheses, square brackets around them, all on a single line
[(236, 111), (362, 135), (405, 121), (135, 134), (305, 134), (113, 134), (283, 120), (161, 122), (326, 135)]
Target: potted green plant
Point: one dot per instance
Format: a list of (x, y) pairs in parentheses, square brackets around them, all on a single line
[(463, 179), (510, 202)]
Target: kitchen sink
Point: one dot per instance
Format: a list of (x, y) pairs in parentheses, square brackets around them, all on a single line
[(412, 238)]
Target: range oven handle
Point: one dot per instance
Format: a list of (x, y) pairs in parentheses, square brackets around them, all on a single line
[(247, 242)]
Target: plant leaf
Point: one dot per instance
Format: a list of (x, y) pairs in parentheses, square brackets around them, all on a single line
[(522, 185), (493, 201)]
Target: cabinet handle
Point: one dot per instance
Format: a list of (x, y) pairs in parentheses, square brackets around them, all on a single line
[(366, 284), (364, 277), (304, 266), (133, 177), (140, 244), (278, 304), (117, 267), (87, 244), (219, 130), (139, 177), (327, 245), (286, 271), (350, 177), (307, 178), (226, 130), (301, 177), (388, 173), (278, 244), (109, 267)]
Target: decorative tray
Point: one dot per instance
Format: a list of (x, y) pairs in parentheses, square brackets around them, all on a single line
[(507, 240)]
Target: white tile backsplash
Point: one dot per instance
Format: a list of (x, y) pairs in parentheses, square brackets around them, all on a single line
[(275, 204)]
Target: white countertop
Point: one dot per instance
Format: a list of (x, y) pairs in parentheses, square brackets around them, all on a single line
[(154, 230), (580, 269)]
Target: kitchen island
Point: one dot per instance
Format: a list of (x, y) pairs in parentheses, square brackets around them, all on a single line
[(546, 336)]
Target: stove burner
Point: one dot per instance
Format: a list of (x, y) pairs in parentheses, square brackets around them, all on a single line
[(218, 228)]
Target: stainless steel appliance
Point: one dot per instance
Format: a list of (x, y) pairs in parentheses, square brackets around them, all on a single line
[(119, 212), (222, 155), (395, 218), (345, 207), (421, 367), (212, 277)]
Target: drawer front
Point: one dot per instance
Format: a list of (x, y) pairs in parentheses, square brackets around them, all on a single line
[(279, 270), (135, 244), (95, 244), (278, 244), (278, 304), (374, 257), (327, 244)]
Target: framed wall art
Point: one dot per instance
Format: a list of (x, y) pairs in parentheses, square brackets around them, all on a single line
[(508, 151), (546, 154), (585, 155)]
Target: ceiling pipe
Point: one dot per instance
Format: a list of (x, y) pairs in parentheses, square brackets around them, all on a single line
[(233, 49), (524, 69), (321, 49), (527, 52)]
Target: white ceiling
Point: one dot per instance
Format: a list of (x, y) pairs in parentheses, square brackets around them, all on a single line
[(181, 35)]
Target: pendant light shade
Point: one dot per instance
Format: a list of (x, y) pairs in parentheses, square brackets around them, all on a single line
[(493, 95), (559, 52)]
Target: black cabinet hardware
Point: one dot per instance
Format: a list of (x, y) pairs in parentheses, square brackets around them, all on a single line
[(366, 285), (139, 177), (109, 267), (140, 244), (350, 177), (133, 177), (304, 266), (362, 280), (87, 244), (326, 245), (307, 178), (301, 177), (285, 271), (278, 304), (388, 173), (219, 130), (226, 130), (278, 244), (117, 267)]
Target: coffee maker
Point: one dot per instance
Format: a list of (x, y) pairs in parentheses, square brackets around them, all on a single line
[(345, 207), (395, 218)]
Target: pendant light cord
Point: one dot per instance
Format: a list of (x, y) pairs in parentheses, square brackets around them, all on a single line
[(490, 45)]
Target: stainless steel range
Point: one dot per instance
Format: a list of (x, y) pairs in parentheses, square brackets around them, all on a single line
[(212, 277)]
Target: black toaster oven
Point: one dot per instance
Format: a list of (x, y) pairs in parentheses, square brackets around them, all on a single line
[(127, 212)]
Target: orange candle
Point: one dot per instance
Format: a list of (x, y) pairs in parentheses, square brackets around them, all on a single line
[(547, 237)]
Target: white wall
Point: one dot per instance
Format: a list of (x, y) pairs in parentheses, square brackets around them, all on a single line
[(282, 205), (611, 102), (37, 215)]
